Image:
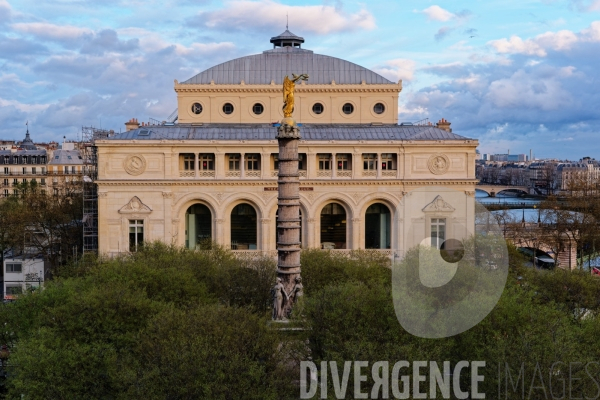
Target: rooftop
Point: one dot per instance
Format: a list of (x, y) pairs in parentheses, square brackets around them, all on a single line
[(268, 132), (66, 157), (285, 58)]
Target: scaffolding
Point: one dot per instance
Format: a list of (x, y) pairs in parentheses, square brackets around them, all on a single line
[(90, 188)]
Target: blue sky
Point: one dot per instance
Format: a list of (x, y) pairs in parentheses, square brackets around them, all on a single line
[(516, 75)]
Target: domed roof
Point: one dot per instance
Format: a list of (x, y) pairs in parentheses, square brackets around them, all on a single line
[(275, 64)]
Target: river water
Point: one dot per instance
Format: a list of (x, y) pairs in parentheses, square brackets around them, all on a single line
[(483, 198)]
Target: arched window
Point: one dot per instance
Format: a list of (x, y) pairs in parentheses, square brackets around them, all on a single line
[(333, 227), (378, 227), (243, 228), (198, 226)]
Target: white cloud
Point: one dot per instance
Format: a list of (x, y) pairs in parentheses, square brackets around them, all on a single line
[(586, 5), (198, 49), (46, 30), (591, 34), (561, 41), (265, 14), (516, 45), (437, 13), (397, 69), (27, 108), (525, 91)]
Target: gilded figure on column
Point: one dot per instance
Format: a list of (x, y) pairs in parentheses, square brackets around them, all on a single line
[(288, 93)]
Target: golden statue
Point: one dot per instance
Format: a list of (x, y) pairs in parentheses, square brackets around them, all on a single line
[(288, 93)]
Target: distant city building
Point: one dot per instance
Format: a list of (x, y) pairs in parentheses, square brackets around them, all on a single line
[(509, 157), (570, 175), (21, 273), (27, 164)]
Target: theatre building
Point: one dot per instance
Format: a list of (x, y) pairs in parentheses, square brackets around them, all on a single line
[(212, 174)]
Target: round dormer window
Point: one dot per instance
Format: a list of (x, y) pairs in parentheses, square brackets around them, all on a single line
[(318, 108), (348, 108), (197, 108), (379, 108), (258, 108), (228, 108)]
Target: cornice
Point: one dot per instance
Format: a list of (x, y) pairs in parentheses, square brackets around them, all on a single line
[(303, 143), (276, 88), (304, 183)]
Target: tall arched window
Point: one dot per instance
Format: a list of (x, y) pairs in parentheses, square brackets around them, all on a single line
[(333, 227), (243, 228), (198, 226), (378, 227)]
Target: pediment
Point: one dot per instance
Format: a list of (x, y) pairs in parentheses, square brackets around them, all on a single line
[(438, 204), (135, 205)]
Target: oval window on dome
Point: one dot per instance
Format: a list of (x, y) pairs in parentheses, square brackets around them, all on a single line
[(348, 108), (318, 108), (228, 108), (379, 108), (258, 108), (196, 108)]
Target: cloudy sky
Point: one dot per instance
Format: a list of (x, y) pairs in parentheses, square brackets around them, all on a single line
[(516, 74)]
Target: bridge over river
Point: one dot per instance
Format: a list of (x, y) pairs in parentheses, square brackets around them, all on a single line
[(493, 190)]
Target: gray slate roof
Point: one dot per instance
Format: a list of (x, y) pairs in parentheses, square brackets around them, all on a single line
[(275, 64), (268, 132), (70, 157)]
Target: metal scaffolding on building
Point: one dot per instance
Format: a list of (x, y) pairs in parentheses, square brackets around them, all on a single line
[(90, 188)]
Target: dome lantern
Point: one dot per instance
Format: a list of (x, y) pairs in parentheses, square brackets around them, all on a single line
[(287, 39)]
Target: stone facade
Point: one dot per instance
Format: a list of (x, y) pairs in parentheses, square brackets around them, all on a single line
[(213, 175)]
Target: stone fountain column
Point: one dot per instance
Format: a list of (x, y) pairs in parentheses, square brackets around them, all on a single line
[(288, 215)]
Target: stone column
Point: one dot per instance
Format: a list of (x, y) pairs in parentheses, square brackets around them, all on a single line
[(242, 166), (288, 215), (334, 165), (355, 238), (220, 165), (196, 164), (357, 165), (311, 165), (265, 165), (378, 161)]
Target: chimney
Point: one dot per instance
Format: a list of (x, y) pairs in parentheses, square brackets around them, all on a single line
[(444, 125), (132, 124)]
